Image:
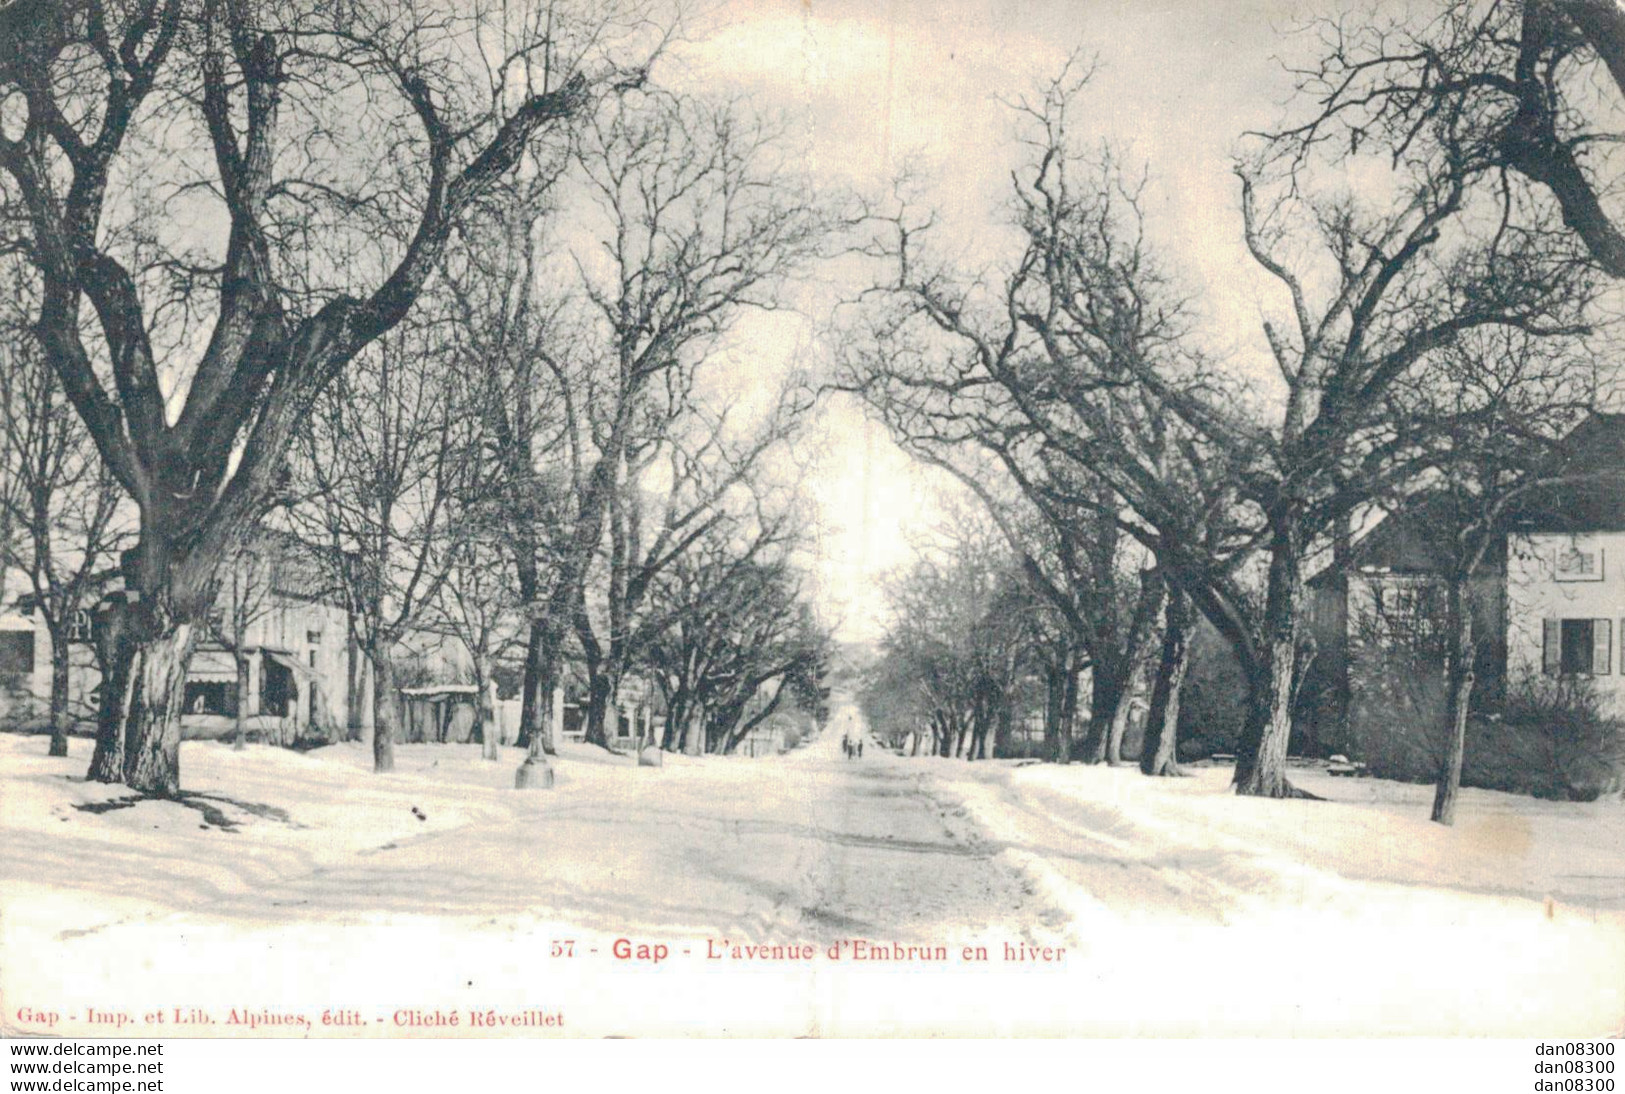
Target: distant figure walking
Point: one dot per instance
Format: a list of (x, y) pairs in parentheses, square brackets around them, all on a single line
[(860, 750)]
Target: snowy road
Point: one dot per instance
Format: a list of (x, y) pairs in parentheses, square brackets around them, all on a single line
[(889, 856), (813, 844), (822, 847), (305, 882)]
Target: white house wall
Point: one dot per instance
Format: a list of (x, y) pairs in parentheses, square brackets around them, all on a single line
[(317, 636), (83, 677)]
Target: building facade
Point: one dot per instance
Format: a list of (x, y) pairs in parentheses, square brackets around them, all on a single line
[(1547, 604), (280, 615), (1566, 607)]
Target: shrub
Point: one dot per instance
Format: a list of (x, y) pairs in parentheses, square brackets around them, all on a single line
[(1213, 701), (1552, 738), (20, 709), (1397, 716), (1557, 737)]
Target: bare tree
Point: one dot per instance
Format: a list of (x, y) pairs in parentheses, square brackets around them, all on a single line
[(62, 509), (1400, 297), (1029, 376), (383, 457), (920, 652), (305, 130), (689, 219), (243, 598), (478, 604), (958, 622), (505, 322), (688, 474), (992, 594), (1497, 413), (1079, 347), (731, 589), (727, 665), (1533, 89)]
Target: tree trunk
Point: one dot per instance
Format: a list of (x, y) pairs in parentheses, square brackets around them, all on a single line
[(169, 591), (386, 713), (152, 715), (981, 711), (1120, 717), (1127, 677), (598, 704), (676, 706), (1106, 694), (240, 738), (1460, 669), (537, 733), (1069, 714), (1261, 757), (530, 699), (694, 731), (59, 694), (115, 651), (536, 772), (1054, 697), (1159, 755), (1004, 725), (354, 690)]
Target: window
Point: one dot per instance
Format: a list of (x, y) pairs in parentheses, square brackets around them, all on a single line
[(211, 697), (1407, 610), (1577, 647), (276, 688), (1577, 564), (16, 653), (1411, 603)]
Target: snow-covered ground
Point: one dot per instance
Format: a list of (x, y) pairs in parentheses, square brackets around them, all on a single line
[(1298, 918), (288, 885)]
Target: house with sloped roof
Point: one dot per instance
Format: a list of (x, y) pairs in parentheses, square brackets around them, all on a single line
[(1548, 600), (305, 675)]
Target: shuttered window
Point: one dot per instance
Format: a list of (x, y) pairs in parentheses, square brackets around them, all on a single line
[(1575, 564), (1578, 647)]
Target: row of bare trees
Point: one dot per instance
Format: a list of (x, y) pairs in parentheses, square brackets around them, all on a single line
[(62, 522), (439, 286), (307, 265), (966, 632)]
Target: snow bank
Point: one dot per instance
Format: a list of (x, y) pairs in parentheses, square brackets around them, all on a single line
[(1217, 914)]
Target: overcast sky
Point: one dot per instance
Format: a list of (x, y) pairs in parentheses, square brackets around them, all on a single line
[(870, 85)]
